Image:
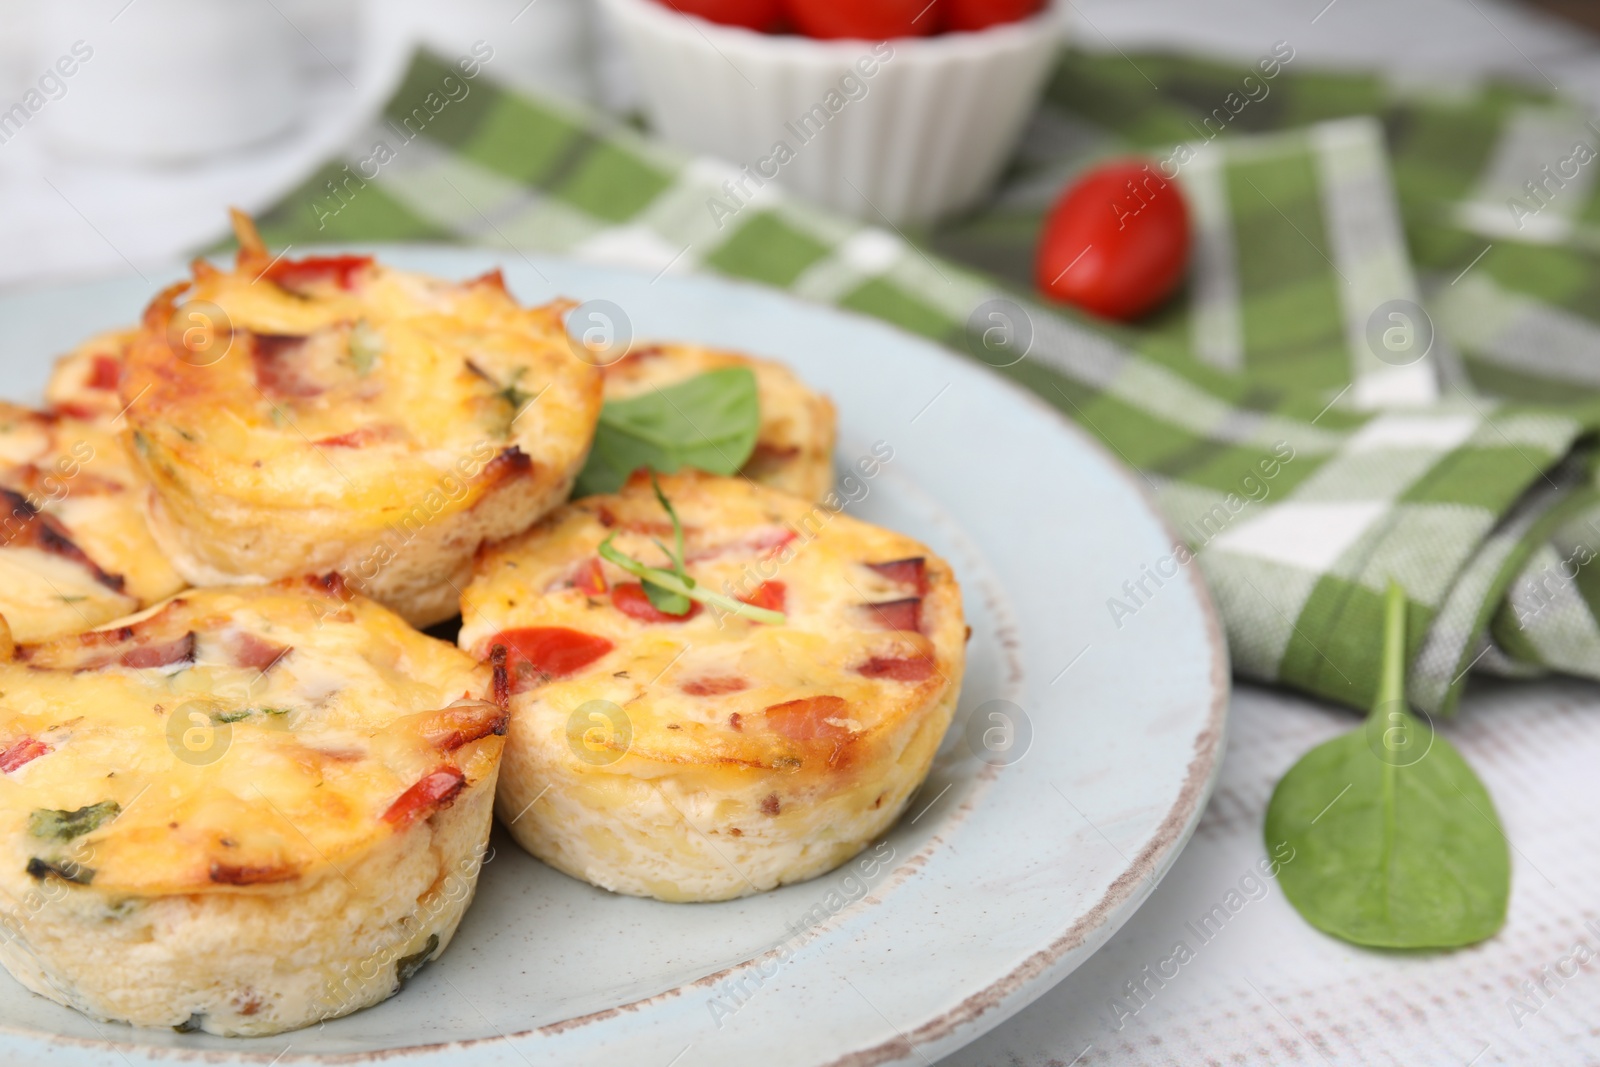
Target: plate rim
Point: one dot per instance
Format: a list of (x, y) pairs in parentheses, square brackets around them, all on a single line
[(1007, 994)]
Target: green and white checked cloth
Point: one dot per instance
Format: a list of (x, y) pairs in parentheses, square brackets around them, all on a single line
[(1300, 458)]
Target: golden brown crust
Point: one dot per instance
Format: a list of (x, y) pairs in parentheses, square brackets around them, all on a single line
[(74, 548), (223, 717), (309, 415), (835, 711)]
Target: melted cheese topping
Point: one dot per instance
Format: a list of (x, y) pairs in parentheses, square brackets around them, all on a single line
[(794, 445), (364, 390), (74, 548), (820, 699), (233, 738)]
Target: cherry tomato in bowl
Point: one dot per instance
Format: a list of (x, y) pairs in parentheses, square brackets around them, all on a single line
[(865, 20), (969, 16), (759, 15), (1117, 242)]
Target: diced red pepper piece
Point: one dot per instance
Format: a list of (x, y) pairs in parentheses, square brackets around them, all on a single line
[(550, 650), (897, 614), (433, 792), (20, 752), (296, 275), (631, 599), (769, 595), (106, 372), (912, 572), (898, 668)]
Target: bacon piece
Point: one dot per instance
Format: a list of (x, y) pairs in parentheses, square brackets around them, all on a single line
[(536, 653), (299, 275), (769, 804), (510, 463), (590, 579), (252, 651), (460, 724), (228, 874), (736, 721), (806, 719), (166, 654), (897, 614), (277, 363), (631, 599), (20, 752), (27, 527), (912, 571), (105, 372), (769, 595), (332, 584), (501, 677), (715, 687), (432, 792), (763, 543), (898, 668)]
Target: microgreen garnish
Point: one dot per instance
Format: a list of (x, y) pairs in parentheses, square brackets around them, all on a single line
[(512, 395), (366, 345), (670, 591)]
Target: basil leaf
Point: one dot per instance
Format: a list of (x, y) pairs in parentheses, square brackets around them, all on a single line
[(709, 422), (66, 825), (1396, 842)]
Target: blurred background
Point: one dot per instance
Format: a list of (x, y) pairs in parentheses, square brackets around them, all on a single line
[(129, 160)]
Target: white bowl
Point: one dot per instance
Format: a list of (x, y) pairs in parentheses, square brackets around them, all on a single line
[(906, 130)]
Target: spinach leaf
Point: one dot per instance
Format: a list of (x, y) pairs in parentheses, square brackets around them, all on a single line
[(66, 825), (709, 422), (1397, 844)]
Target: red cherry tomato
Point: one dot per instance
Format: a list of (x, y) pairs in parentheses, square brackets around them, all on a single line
[(1117, 243), (751, 14), (966, 16), (865, 20), (631, 599)]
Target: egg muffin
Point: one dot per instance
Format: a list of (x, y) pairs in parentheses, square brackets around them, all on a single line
[(709, 755), (794, 444), (83, 383), (242, 811), (74, 548), (331, 414)]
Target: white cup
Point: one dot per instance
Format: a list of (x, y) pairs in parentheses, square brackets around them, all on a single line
[(166, 80)]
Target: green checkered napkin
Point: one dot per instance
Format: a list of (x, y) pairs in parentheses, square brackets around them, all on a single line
[(1303, 469)]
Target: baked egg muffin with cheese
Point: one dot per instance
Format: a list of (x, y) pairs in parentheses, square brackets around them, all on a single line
[(242, 811), (794, 443), (332, 414), (83, 383), (714, 752), (75, 551)]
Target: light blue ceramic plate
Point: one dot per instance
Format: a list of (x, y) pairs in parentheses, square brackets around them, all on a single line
[(999, 880)]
